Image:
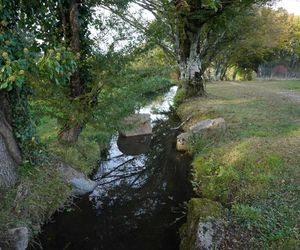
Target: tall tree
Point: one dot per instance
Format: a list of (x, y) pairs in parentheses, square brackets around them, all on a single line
[(20, 63), (15, 123), (182, 28), (75, 19)]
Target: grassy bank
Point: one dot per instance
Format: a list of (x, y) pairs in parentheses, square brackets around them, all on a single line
[(254, 169)]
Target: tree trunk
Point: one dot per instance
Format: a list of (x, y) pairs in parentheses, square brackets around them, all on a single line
[(71, 131), (217, 72), (70, 134), (10, 155), (190, 65), (235, 73), (223, 73)]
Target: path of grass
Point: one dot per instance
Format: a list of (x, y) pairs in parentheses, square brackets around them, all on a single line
[(254, 170)]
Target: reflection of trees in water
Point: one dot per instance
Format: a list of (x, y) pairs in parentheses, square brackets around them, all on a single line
[(145, 186)]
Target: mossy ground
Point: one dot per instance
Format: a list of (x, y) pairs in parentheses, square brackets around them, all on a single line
[(37, 195), (254, 169)]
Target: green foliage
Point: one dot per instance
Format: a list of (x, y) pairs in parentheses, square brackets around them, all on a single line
[(266, 37), (56, 67)]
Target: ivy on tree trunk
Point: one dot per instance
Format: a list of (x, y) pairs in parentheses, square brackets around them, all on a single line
[(75, 35)]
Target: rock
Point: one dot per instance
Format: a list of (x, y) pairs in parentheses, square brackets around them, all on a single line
[(140, 124), (209, 234), (204, 229), (207, 128), (82, 186), (182, 141), (18, 238), (80, 183)]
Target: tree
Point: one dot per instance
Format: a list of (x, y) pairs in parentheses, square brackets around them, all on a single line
[(75, 16), (256, 37), (12, 94), (182, 28), (20, 62)]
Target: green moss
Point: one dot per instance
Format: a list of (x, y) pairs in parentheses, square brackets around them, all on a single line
[(202, 208), (198, 210)]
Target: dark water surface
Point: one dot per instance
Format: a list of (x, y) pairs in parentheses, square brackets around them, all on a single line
[(139, 203)]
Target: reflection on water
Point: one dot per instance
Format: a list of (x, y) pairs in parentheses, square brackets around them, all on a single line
[(158, 107), (135, 145), (138, 203)]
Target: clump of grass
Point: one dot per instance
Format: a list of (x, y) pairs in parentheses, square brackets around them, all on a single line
[(179, 97), (235, 171)]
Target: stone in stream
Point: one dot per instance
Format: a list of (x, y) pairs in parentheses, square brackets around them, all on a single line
[(207, 128), (139, 124), (82, 186)]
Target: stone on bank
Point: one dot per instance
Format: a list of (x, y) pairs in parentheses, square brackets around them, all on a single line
[(206, 128), (15, 239), (81, 184)]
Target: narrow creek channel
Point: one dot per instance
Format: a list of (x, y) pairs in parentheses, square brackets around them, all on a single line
[(139, 202)]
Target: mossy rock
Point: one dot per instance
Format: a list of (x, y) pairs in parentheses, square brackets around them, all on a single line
[(203, 216)]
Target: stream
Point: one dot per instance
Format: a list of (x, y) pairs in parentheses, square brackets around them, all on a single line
[(139, 202)]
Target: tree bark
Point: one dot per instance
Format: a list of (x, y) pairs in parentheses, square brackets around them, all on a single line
[(190, 64), (71, 131), (10, 155)]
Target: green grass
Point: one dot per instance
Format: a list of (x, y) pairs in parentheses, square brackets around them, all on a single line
[(254, 169), (39, 193), (84, 155), (289, 85)]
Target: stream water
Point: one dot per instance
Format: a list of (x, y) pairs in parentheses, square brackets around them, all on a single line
[(139, 202)]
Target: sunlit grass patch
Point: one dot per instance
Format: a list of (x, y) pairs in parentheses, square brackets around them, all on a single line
[(235, 171), (288, 84), (83, 155)]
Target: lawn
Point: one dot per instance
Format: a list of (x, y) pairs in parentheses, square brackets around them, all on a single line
[(254, 169)]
